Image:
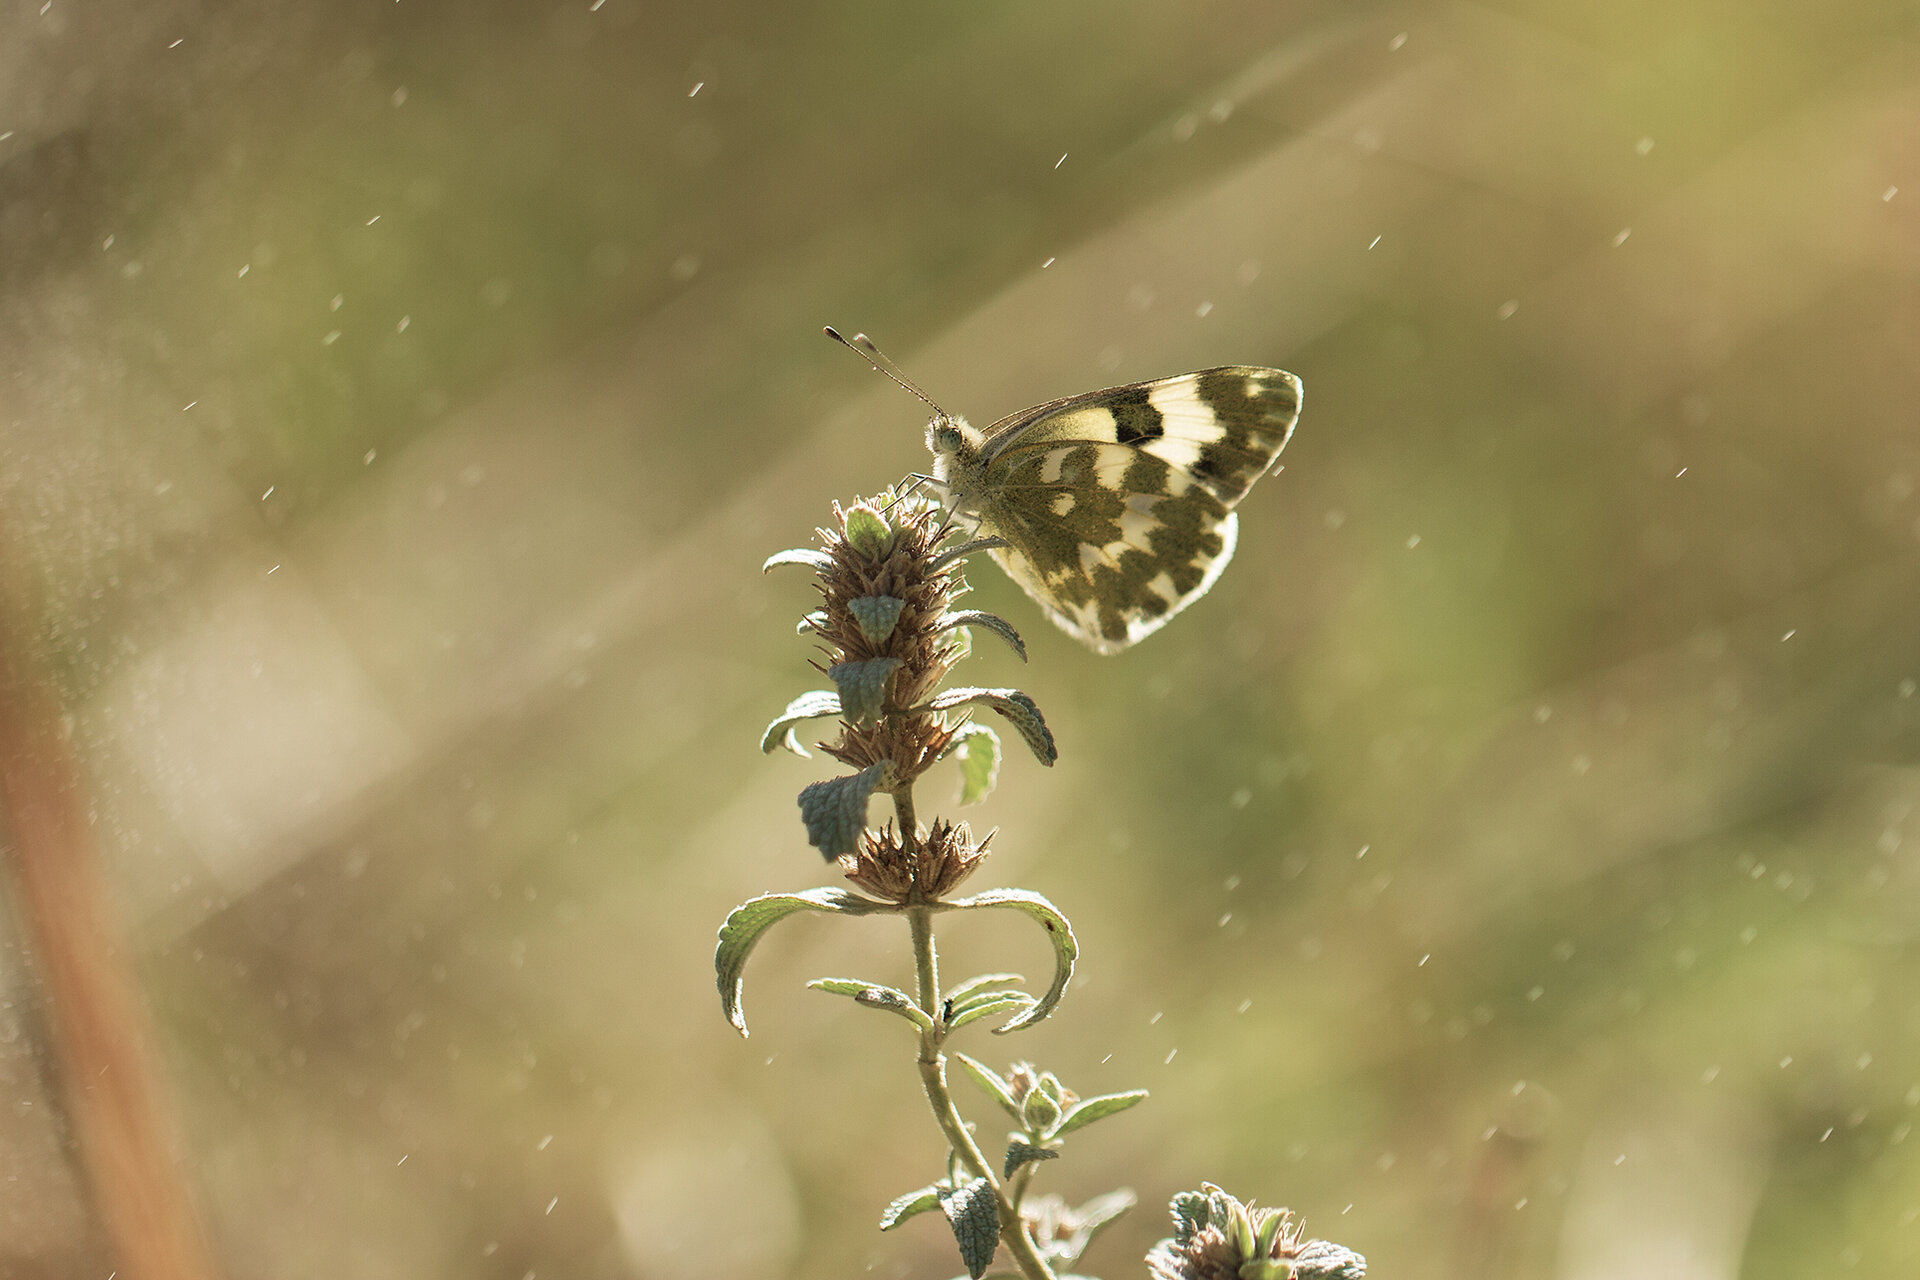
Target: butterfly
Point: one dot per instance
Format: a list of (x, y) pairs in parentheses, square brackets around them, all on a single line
[(1116, 505)]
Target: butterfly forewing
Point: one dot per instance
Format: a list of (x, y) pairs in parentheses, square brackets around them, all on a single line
[(1117, 505), (1224, 427)]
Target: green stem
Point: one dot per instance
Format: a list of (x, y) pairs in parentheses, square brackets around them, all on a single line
[(933, 1077), (909, 824), (926, 966)]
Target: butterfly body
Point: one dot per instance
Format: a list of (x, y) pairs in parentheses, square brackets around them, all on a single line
[(1117, 505)]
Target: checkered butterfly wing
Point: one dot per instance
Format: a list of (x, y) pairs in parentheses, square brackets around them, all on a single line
[(1118, 504)]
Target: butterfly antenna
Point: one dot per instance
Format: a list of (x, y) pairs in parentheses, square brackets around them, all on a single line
[(863, 346)]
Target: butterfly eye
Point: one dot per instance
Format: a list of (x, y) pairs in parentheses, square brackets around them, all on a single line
[(943, 436)]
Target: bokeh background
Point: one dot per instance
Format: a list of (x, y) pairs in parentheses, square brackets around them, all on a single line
[(1511, 865)]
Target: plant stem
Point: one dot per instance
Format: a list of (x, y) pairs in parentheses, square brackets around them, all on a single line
[(909, 824), (933, 1077), (926, 966)]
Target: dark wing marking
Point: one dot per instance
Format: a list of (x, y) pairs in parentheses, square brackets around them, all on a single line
[(1112, 541)]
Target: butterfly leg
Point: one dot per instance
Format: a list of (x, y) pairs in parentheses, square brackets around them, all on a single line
[(906, 488)]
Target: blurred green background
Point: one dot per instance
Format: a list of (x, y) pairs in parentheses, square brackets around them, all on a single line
[(1511, 865)]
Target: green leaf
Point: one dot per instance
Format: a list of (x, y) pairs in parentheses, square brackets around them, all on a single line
[(972, 1000), (1085, 1112), (1039, 1112), (811, 705), (959, 647), (989, 1006), (799, 555), (749, 921), (868, 532), (1095, 1216), (978, 750), (877, 616), (1017, 707), (979, 982), (835, 811), (912, 1204), (863, 687), (1191, 1211), (1019, 1153), (974, 1214), (1065, 948), (1325, 1260), (875, 996), (992, 622), (995, 1085)]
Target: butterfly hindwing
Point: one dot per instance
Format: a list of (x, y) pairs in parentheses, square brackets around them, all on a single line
[(1117, 505)]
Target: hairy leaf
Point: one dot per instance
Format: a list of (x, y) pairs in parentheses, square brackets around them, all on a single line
[(749, 922), (995, 1085), (992, 622), (863, 687), (1020, 710), (835, 811), (876, 615), (978, 749), (979, 982), (799, 555), (912, 1204), (1085, 1112), (990, 1006), (876, 996), (811, 705), (1019, 1153), (974, 1214), (1065, 948), (868, 532)]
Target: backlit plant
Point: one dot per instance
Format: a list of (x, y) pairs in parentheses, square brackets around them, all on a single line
[(889, 573)]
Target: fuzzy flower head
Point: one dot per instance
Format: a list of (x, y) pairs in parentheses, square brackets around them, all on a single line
[(885, 624), (888, 638), (1216, 1237)]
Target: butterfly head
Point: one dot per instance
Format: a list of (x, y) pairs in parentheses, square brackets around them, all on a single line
[(955, 445)]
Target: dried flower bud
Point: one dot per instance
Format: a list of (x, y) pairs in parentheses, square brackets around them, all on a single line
[(886, 868)]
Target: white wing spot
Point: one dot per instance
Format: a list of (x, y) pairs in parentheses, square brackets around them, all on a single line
[(1063, 504), (1092, 557), (1192, 418), (1178, 452), (1163, 587), (1051, 464), (1189, 422)]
